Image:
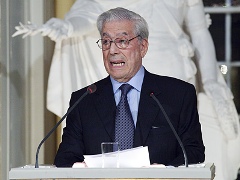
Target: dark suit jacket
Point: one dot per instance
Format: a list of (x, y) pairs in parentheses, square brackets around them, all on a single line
[(93, 122)]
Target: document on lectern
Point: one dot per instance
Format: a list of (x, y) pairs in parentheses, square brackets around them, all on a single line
[(135, 157)]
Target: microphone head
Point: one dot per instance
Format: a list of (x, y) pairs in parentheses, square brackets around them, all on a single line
[(92, 88)]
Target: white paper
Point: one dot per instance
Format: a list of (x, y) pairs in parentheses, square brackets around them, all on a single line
[(135, 157)]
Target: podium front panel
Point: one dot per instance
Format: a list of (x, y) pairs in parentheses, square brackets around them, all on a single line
[(190, 173)]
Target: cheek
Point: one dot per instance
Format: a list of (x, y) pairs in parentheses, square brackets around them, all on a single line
[(105, 60), (105, 57), (104, 54), (135, 60), (136, 56), (106, 65)]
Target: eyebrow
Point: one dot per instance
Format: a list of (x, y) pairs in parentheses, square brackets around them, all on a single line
[(106, 34)]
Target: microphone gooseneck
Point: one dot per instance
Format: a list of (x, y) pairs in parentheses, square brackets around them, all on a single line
[(91, 89), (172, 128)]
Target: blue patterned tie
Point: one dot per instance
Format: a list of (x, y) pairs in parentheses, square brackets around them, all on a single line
[(124, 126)]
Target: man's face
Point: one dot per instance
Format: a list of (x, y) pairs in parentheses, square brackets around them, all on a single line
[(123, 64)]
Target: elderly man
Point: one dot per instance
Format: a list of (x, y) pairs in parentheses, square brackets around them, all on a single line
[(122, 110)]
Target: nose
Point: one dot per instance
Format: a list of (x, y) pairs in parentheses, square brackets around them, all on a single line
[(113, 49)]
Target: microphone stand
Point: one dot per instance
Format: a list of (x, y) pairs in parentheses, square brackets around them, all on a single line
[(172, 128), (91, 89)]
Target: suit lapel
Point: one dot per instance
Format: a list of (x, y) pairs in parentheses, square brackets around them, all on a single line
[(106, 106), (147, 111)]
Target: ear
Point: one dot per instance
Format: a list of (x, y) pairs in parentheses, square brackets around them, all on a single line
[(144, 47)]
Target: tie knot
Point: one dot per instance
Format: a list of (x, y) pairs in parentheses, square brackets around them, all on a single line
[(125, 88)]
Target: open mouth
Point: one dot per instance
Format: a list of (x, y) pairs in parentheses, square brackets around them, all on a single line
[(117, 63)]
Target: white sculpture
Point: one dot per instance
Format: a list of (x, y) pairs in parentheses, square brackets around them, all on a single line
[(77, 62)]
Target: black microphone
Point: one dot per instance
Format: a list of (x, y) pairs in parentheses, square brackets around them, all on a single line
[(173, 130), (91, 89)]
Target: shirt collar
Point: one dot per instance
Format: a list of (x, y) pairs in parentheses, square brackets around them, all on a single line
[(136, 81)]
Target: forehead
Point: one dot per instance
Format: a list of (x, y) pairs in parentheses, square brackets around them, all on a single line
[(118, 28)]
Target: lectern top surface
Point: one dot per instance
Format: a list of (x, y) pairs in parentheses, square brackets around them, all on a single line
[(206, 172)]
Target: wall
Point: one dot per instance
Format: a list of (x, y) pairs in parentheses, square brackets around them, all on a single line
[(21, 92)]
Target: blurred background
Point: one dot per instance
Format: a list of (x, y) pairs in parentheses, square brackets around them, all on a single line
[(25, 64)]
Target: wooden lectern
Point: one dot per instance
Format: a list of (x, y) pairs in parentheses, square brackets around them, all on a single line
[(191, 173)]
